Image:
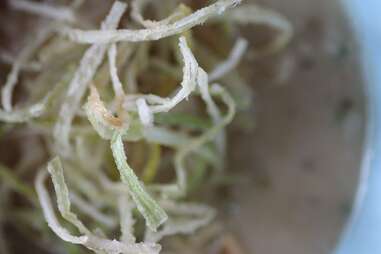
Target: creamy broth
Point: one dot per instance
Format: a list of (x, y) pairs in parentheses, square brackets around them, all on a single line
[(303, 158)]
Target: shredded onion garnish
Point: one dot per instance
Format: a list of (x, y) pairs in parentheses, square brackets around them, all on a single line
[(89, 64), (118, 115), (43, 9), (155, 33)]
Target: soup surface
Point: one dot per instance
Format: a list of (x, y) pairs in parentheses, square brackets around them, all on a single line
[(302, 161)]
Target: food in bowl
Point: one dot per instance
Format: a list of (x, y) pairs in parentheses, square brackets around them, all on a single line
[(130, 114)]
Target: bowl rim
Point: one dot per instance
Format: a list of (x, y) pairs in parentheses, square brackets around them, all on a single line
[(362, 233)]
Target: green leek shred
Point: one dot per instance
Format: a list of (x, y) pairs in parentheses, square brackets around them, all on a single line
[(152, 212)]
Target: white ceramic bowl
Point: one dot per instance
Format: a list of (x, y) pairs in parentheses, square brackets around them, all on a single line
[(363, 232)]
